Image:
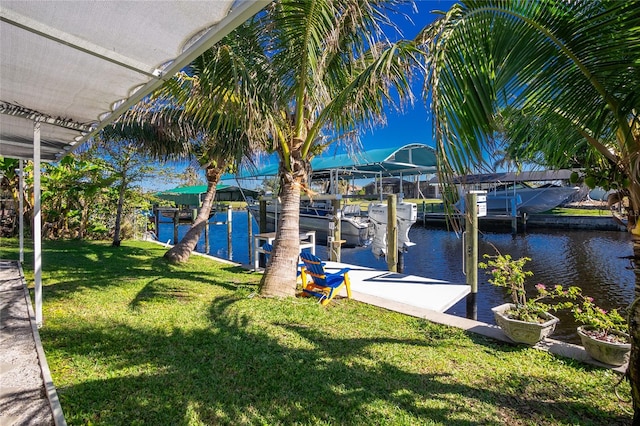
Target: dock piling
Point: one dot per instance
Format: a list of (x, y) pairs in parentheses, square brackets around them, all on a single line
[(229, 228), (334, 243), (476, 205), (250, 234), (206, 237), (176, 221)]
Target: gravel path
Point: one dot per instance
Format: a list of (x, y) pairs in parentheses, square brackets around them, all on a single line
[(23, 393)]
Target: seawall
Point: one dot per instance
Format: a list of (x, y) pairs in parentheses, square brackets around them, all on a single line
[(534, 221)]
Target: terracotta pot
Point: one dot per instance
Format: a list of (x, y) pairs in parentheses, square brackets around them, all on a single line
[(603, 351), (521, 331)]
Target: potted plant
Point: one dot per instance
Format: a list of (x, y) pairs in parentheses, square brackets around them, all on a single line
[(603, 333), (524, 320)]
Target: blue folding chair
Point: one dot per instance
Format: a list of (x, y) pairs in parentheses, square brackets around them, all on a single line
[(323, 285)]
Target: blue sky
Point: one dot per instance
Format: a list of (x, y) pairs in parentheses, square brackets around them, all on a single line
[(414, 125)]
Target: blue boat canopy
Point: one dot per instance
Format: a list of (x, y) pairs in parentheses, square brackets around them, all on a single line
[(409, 159)]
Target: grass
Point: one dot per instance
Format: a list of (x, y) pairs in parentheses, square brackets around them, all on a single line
[(131, 340), (566, 211)]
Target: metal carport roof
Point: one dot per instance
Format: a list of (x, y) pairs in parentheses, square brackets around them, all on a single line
[(508, 177), (408, 159), (74, 66)]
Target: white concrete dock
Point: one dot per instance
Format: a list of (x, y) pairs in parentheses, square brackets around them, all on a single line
[(421, 292)]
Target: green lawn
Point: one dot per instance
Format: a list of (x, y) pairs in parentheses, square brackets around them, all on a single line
[(131, 340), (565, 211)]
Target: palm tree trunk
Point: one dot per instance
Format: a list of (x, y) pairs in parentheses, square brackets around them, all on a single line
[(181, 252), (83, 219), (116, 232), (279, 279)]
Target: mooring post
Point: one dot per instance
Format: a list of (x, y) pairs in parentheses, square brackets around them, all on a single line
[(229, 227), (156, 222), (335, 244), (471, 254), (176, 221), (262, 226), (249, 235), (476, 206), (392, 234), (514, 217), (206, 237)]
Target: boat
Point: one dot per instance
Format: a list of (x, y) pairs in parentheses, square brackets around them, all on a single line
[(331, 171), (317, 216), (520, 197), (512, 193)]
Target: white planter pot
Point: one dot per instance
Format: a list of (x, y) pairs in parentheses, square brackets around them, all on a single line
[(606, 352), (521, 331)]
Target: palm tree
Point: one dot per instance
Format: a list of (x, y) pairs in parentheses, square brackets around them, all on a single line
[(166, 131), (570, 66), (299, 74), (180, 252)]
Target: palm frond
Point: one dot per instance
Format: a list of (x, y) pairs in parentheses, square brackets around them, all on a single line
[(552, 60)]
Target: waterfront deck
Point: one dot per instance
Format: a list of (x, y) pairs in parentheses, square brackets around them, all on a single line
[(420, 292)]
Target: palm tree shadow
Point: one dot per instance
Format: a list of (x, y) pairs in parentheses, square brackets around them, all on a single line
[(234, 371)]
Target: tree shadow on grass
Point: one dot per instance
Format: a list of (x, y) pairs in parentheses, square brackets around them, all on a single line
[(92, 266), (524, 397), (237, 372)]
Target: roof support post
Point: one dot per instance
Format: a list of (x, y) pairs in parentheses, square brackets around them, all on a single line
[(21, 208), (37, 224)]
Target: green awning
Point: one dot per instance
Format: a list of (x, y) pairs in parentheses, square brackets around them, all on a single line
[(192, 195)]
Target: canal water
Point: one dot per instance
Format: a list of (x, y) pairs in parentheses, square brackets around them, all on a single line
[(592, 260)]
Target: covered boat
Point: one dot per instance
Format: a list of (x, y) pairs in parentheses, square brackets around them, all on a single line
[(316, 216), (527, 199), (513, 193)]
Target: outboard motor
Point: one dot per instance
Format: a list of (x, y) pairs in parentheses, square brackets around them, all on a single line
[(406, 215), (378, 229)]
